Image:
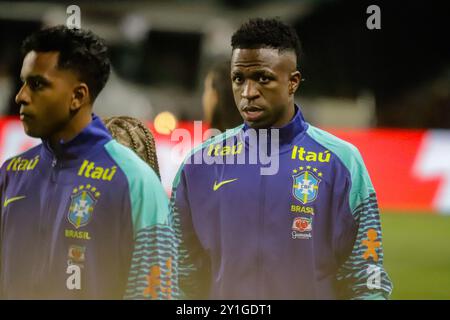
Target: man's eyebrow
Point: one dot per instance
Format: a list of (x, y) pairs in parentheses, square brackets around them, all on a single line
[(35, 77), (263, 70)]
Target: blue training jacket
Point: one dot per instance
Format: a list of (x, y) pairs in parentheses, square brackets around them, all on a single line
[(87, 221), (310, 231)]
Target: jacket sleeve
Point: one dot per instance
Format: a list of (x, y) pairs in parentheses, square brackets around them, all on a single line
[(3, 185), (194, 267), (362, 275), (153, 269)]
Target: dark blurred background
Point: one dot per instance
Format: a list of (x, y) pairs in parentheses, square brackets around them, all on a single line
[(398, 76)]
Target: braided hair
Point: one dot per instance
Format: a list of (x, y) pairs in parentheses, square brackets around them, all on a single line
[(135, 135)]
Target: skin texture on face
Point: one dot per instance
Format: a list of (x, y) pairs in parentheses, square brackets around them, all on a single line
[(264, 82), (54, 104)]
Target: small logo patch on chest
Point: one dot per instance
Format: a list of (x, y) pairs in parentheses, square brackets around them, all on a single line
[(305, 187), (83, 201), (302, 228)]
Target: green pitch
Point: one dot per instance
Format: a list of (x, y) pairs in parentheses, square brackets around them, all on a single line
[(417, 254)]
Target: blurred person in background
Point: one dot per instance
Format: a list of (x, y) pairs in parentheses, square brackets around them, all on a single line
[(311, 230), (218, 102), (87, 216), (5, 88)]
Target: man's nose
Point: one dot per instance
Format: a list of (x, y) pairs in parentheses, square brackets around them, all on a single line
[(250, 90), (22, 97)]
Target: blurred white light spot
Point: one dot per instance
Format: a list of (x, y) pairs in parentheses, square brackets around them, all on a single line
[(134, 27), (165, 122)]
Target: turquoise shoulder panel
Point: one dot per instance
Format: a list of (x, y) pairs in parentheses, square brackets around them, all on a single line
[(149, 203), (351, 158)]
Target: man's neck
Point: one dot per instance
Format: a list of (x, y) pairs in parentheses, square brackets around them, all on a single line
[(72, 129), (290, 113)]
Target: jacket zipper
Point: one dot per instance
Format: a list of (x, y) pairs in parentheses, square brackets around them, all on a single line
[(260, 237), (44, 227)]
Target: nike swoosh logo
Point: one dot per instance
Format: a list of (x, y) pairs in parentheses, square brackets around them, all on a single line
[(217, 186), (8, 201)]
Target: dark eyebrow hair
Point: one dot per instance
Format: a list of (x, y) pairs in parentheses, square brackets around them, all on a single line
[(35, 77), (263, 71), (256, 72), (235, 67)]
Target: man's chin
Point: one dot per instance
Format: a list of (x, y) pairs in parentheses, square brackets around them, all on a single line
[(258, 124), (31, 132)]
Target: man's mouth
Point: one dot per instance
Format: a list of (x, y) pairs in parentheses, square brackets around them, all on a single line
[(252, 113), (25, 116)]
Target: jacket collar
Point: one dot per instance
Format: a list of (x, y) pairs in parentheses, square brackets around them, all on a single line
[(86, 142), (297, 126)]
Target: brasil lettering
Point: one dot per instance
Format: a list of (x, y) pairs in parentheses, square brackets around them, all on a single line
[(84, 235), (90, 170), (302, 209), (19, 164), (310, 156)]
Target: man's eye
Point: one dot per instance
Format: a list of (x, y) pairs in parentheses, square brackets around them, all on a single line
[(35, 84), (237, 79), (264, 79)]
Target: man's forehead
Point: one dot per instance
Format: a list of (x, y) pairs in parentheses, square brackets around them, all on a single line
[(39, 63), (264, 57)]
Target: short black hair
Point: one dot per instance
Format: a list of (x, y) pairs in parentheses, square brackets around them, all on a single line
[(259, 33), (79, 50)]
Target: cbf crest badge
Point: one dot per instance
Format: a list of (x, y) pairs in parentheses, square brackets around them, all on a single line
[(83, 200), (305, 187)]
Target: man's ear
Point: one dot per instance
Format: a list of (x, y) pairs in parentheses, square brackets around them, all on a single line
[(80, 96), (294, 81)]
